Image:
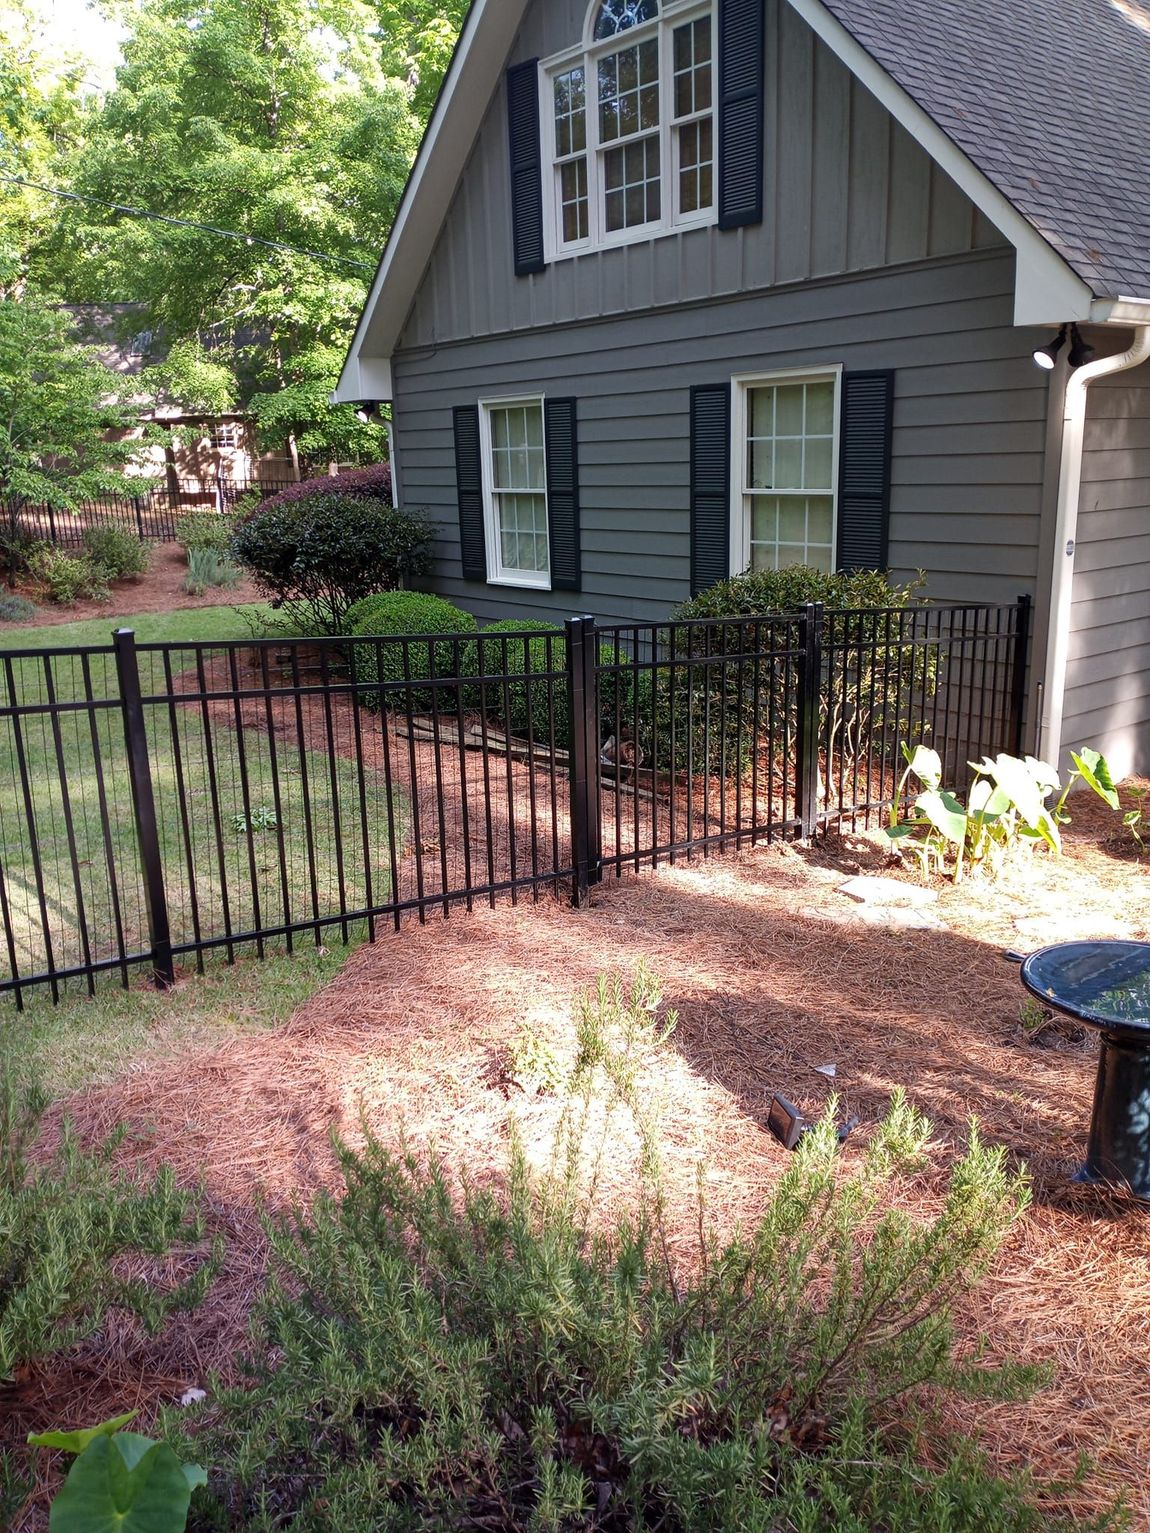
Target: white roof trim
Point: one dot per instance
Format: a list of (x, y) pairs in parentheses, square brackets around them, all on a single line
[(1046, 290), (476, 67)]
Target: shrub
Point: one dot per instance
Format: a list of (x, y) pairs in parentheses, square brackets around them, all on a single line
[(117, 551), (16, 543), (65, 1220), (205, 529), (390, 613), (320, 554), (64, 578), (446, 1356), (209, 566), (759, 593), (17, 609), (371, 483)]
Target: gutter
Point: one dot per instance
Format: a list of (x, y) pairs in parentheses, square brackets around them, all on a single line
[(1065, 530)]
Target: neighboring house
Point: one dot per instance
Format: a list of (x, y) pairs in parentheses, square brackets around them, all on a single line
[(679, 286), (202, 451)]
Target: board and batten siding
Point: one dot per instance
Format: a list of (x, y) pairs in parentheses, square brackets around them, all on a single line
[(969, 423), (846, 189), (1108, 673)]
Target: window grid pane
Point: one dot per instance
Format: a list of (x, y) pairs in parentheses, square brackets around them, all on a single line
[(518, 482), (789, 464), (619, 15), (629, 91), (573, 201), (696, 161), (631, 181), (570, 113), (691, 48)]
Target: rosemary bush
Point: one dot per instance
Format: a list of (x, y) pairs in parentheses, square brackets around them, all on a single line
[(433, 1354)]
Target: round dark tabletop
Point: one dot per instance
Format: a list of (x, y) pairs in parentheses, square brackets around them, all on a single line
[(1104, 983)]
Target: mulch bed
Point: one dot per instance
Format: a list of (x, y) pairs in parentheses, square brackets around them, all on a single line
[(772, 976), (159, 589)]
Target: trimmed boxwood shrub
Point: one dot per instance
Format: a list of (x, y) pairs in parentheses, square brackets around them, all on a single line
[(318, 553), (758, 593), (118, 551), (388, 614)]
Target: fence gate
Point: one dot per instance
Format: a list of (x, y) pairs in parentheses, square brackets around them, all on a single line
[(160, 802)]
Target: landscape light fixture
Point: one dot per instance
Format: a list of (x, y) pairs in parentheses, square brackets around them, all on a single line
[(1046, 356), (1081, 351)]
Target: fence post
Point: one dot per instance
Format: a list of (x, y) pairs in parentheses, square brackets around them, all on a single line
[(138, 509), (807, 753), (584, 756), (1018, 674), (144, 804)]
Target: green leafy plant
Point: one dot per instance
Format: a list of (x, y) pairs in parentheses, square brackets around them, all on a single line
[(209, 567), (117, 551), (318, 556), (263, 818), (64, 1220), (445, 1354), (66, 578), (17, 609), (120, 1482), (205, 530), (446, 650), (1135, 819)]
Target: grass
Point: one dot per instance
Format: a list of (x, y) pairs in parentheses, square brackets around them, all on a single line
[(255, 830)]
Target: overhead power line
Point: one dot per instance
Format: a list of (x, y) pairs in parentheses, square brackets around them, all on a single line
[(188, 223)]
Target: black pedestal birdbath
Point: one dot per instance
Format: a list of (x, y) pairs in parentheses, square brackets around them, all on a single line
[(1107, 985)]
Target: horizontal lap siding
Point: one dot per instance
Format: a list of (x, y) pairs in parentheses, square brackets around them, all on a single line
[(970, 409), (846, 189), (1108, 677)]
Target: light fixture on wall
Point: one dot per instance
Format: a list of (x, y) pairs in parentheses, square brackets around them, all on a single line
[(1047, 356), (369, 413), (1080, 352)]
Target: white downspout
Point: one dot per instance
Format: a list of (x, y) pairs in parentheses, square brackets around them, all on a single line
[(1066, 529)]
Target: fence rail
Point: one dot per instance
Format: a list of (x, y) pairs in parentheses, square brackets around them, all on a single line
[(163, 802), (152, 514)]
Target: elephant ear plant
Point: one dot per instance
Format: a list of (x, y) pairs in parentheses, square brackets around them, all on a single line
[(1006, 806), (120, 1482)]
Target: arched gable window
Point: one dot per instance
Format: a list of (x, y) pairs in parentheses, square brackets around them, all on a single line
[(631, 125)]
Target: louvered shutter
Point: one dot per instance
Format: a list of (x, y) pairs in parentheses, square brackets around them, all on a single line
[(741, 112), (866, 421), (469, 489), (710, 485), (526, 167), (562, 456)]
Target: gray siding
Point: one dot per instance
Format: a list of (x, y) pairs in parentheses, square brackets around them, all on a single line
[(970, 412), (1108, 677), (847, 190)]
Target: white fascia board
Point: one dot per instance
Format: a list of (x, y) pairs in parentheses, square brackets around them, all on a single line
[(476, 67), (363, 379), (1120, 311), (1046, 290)]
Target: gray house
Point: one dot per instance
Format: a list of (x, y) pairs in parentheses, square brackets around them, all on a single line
[(682, 286)]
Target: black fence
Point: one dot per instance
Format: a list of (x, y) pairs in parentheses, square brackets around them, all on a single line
[(162, 802), (152, 514)]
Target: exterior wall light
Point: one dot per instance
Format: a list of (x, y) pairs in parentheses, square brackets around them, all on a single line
[(1046, 356), (1081, 351)]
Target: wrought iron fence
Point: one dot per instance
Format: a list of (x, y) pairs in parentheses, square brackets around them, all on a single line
[(163, 802), (152, 514)]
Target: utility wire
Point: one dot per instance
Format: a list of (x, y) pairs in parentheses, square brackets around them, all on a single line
[(187, 223)]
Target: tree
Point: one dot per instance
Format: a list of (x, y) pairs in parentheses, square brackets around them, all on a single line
[(289, 121), (62, 412)]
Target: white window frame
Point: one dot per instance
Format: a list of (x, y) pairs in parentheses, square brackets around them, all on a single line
[(741, 385), (535, 580), (672, 13)]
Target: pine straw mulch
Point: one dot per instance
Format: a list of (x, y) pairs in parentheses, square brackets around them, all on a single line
[(772, 975)]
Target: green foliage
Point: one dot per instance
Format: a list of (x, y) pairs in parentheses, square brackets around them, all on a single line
[(761, 593), (16, 543), (117, 551), (205, 529), (1005, 808), (191, 379), (1136, 820), (66, 1217), (208, 567), (391, 613), (448, 1356), (17, 609), (65, 578), (318, 556), (121, 1482)]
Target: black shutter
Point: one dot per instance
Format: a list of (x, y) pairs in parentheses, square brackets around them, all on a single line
[(469, 488), (710, 485), (562, 454), (526, 167), (867, 418), (741, 112)]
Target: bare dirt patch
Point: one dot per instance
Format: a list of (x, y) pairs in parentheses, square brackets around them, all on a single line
[(159, 589), (773, 975)]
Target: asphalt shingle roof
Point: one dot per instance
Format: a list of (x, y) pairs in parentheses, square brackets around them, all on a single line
[(1050, 99)]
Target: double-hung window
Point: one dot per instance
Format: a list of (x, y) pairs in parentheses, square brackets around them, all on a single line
[(785, 468), (630, 125), (515, 491)]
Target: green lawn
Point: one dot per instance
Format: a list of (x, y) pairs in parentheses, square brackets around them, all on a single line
[(254, 829)]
